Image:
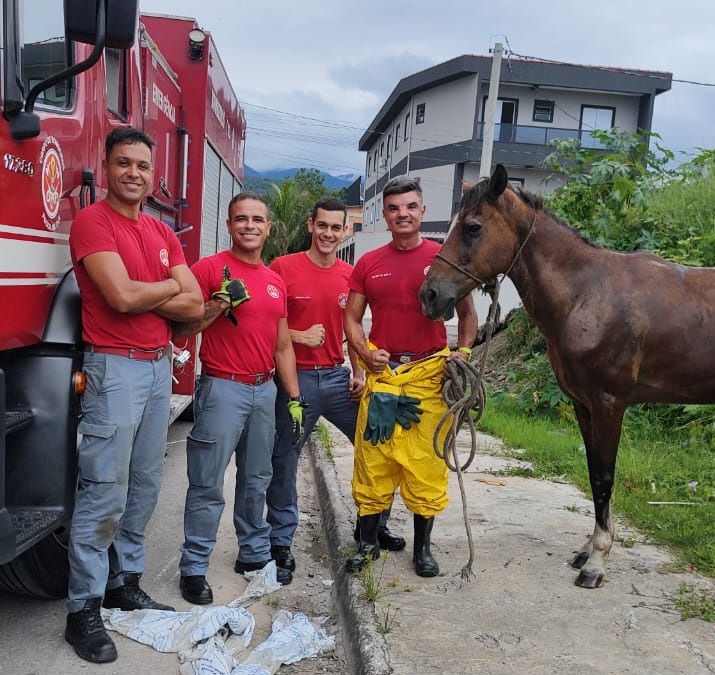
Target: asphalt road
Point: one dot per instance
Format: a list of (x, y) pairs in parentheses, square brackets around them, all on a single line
[(32, 631)]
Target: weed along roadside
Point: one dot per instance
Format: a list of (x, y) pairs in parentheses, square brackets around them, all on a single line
[(520, 612)]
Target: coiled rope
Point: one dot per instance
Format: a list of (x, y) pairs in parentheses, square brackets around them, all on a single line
[(465, 394)]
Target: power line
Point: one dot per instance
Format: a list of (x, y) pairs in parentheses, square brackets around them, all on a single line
[(309, 130)]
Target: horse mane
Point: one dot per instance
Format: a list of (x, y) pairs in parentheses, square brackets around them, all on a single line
[(473, 198)]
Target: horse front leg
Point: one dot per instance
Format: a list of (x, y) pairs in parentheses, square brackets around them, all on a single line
[(601, 431)]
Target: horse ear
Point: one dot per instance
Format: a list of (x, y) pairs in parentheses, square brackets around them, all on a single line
[(497, 183)]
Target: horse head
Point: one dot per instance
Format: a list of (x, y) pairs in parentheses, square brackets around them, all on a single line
[(483, 241)]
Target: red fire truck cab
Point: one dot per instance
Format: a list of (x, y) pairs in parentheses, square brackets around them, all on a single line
[(65, 82)]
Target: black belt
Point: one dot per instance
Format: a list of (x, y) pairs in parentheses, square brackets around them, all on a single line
[(409, 357)]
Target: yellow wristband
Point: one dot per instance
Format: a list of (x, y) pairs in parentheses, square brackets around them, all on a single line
[(466, 350)]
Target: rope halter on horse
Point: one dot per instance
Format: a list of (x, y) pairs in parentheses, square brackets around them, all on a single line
[(474, 277)]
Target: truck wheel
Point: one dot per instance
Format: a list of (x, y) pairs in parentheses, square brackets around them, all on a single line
[(40, 572)]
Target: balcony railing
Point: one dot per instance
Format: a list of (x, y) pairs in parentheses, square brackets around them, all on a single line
[(520, 133)]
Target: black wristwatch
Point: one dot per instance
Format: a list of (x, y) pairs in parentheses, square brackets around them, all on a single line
[(298, 399)]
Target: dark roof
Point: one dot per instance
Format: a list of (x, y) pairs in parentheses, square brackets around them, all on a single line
[(527, 71)]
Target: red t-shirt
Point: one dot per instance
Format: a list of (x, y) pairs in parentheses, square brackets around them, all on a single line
[(148, 248), (390, 280), (248, 348), (315, 295)]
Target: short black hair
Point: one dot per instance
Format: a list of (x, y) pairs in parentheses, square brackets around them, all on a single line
[(402, 184), (126, 135), (248, 194), (329, 204)]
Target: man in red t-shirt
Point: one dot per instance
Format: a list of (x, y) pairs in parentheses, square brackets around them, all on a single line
[(244, 342), (405, 355), (317, 284), (133, 280)]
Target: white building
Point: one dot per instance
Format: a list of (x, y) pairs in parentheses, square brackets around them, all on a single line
[(432, 125)]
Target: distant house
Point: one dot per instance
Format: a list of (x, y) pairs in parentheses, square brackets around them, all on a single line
[(432, 125)]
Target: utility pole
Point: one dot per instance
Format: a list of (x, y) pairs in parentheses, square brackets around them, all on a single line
[(485, 165)]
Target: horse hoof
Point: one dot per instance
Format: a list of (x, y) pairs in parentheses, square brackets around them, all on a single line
[(589, 579), (580, 560)]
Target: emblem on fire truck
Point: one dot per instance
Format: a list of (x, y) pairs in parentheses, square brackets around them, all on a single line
[(52, 165)]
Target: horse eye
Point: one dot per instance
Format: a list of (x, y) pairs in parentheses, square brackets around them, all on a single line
[(472, 228)]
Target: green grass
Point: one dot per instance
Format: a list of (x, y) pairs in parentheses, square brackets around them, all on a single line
[(324, 436), (654, 465)]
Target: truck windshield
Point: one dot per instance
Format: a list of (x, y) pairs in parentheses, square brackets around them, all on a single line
[(35, 48)]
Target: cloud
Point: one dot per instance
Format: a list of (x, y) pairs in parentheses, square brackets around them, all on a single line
[(380, 74), (338, 62)]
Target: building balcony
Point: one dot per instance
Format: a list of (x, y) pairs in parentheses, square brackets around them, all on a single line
[(521, 133)]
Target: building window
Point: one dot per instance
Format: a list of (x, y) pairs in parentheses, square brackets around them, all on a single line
[(397, 137), (595, 118), (372, 214), (420, 113), (382, 149), (407, 126), (389, 144), (543, 111), (369, 165)]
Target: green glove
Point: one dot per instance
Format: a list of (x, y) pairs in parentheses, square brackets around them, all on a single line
[(408, 411), (381, 413), (296, 405), (231, 291)]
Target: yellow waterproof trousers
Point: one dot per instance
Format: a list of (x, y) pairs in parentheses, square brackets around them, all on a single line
[(407, 460)]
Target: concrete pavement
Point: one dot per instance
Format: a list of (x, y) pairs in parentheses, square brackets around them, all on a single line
[(520, 612)]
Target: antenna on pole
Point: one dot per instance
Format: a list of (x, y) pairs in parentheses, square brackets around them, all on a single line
[(485, 164)]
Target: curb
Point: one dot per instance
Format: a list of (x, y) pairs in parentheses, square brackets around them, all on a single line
[(365, 649)]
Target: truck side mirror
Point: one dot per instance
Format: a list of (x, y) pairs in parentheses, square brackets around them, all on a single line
[(121, 23)]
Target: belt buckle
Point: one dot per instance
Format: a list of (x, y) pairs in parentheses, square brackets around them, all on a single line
[(259, 378), (160, 353), (405, 358)]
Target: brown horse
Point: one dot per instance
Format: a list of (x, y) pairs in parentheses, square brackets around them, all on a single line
[(621, 328)]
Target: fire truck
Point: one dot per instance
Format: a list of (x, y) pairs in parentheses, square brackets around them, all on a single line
[(70, 71)]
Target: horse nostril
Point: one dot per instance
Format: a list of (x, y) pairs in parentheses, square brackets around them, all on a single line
[(428, 294)]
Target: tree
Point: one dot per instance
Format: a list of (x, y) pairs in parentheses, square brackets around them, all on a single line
[(287, 217), (291, 204), (604, 186)]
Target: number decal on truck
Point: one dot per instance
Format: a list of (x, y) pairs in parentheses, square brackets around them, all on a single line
[(17, 165)]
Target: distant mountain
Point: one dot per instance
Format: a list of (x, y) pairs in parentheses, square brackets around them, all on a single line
[(277, 175)]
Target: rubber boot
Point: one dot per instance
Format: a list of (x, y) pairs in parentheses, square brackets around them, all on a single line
[(368, 548), (387, 540), (425, 564)]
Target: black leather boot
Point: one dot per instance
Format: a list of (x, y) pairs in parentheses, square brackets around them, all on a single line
[(368, 548), (86, 633), (425, 564), (387, 540), (131, 596)]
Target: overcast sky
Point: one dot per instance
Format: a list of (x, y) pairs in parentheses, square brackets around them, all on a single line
[(311, 75)]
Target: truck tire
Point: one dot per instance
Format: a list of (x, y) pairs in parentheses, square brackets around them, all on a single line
[(40, 572)]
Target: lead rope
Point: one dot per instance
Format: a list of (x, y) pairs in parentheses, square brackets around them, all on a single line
[(465, 394)]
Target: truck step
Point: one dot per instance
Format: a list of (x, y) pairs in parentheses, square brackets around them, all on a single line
[(29, 523), (17, 419)]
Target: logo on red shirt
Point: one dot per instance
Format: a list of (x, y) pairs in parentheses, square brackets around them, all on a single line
[(427, 269), (343, 300), (164, 257), (273, 291)]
